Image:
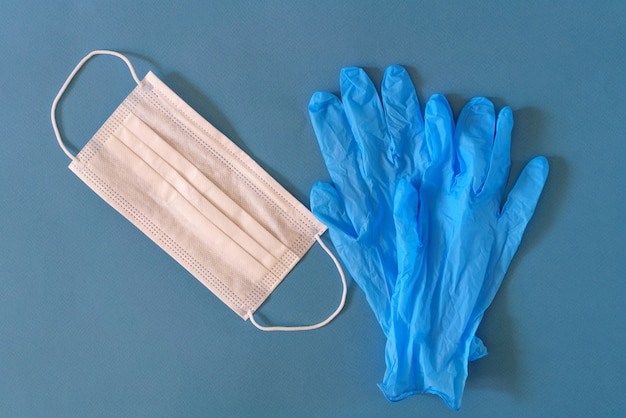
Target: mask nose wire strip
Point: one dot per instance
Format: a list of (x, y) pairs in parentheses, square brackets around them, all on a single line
[(327, 320), (69, 80)]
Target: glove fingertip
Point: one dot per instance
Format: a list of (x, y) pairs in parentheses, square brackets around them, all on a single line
[(439, 133), (353, 80), (351, 73), (480, 101), (393, 74), (502, 140), (478, 349), (395, 69), (438, 108), (406, 203), (523, 198), (505, 116), (321, 100), (533, 176), (436, 102), (542, 164), (322, 194), (327, 206)]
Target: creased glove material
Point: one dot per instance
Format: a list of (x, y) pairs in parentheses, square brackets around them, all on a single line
[(455, 248), (368, 144), (414, 212), (367, 148)]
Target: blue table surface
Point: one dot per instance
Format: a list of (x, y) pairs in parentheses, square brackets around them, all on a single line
[(96, 320)]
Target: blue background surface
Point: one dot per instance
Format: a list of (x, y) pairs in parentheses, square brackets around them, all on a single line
[(95, 320)]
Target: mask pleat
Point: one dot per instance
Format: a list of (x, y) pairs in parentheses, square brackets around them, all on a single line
[(205, 243), (237, 174), (200, 211)]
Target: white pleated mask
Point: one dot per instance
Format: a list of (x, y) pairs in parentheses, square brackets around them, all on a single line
[(197, 195)]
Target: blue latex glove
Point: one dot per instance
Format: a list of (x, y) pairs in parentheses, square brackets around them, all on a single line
[(367, 149), (455, 248), (369, 144)]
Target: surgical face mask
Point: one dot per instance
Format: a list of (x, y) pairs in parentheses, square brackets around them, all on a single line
[(196, 195)]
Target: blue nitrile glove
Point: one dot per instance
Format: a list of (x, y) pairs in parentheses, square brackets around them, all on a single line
[(368, 146), (455, 248)]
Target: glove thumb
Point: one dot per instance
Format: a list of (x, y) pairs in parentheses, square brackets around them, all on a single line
[(328, 207), (522, 200)]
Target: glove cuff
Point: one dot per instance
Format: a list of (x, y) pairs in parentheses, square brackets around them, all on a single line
[(448, 383), (439, 369)]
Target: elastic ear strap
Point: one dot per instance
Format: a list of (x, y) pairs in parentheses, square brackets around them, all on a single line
[(69, 80), (327, 320)]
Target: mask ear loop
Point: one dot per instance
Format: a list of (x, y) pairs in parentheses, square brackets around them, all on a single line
[(69, 80), (327, 320)]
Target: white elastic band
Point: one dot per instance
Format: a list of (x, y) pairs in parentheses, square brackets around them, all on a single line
[(327, 320), (69, 80)]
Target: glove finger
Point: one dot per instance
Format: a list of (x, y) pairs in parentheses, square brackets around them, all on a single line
[(494, 189), (327, 206), (365, 116), (333, 133), (439, 135), (340, 151), (500, 164), (405, 124), (478, 349), (408, 240), (474, 137), (398, 350), (515, 215), (522, 200)]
